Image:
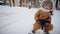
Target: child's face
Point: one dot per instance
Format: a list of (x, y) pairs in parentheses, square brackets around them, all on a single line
[(47, 6)]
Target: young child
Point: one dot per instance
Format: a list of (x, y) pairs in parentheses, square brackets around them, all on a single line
[(43, 18)]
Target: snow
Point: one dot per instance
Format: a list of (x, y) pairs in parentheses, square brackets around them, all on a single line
[(19, 20)]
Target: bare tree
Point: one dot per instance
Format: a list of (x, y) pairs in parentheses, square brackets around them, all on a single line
[(12, 3)]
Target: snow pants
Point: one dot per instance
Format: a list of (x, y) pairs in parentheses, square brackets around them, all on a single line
[(37, 26)]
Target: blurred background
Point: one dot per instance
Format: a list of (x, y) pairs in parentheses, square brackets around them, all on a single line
[(29, 3)]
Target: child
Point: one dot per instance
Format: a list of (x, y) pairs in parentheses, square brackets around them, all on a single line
[(43, 18)]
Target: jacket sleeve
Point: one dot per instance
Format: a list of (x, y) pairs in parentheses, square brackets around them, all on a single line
[(37, 14), (49, 18)]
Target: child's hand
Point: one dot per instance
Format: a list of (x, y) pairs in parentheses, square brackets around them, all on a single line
[(47, 24), (38, 21)]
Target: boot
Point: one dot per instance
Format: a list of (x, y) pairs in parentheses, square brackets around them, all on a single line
[(33, 31), (46, 32)]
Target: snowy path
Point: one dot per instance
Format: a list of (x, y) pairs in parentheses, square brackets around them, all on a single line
[(19, 20)]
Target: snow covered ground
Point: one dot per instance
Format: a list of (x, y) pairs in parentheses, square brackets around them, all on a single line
[(19, 20)]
